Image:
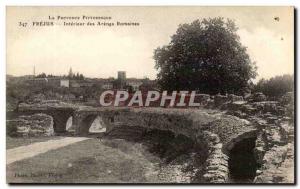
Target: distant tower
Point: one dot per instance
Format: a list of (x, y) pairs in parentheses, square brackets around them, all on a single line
[(33, 71), (70, 72), (121, 79), (122, 75)]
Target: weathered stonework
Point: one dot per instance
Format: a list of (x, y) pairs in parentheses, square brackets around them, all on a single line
[(266, 121), (274, 149), (31, 126), (217, 162)]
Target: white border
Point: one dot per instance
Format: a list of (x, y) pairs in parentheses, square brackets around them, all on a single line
[(151, 2), (5, 3)]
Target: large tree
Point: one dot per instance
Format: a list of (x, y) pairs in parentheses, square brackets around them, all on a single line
[(207, 56)]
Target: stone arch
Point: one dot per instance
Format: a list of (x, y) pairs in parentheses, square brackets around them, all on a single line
[(98, 125), (85, 122), (69, 125), (250, 134), (60, 119)]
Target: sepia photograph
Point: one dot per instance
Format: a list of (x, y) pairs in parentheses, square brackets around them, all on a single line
[(150, 95)]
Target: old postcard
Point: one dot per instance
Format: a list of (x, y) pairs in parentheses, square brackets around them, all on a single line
[(179, 94)]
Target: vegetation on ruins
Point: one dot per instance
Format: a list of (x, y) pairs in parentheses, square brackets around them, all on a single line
[(205, 55)]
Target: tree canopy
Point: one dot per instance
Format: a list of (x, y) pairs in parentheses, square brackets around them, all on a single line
[(205, 55), (275, 86)]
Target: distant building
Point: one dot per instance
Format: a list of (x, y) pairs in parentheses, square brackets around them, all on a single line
[(37, 81), (107, 86), (65, 83), (52, 81), (126, 83), (70, 73), (134, 83), (121, 81), (122, 75), (80, 83)]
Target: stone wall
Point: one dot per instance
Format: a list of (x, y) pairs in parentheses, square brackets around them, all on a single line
[(272, 122), (275, 152), (30, 126), (274, 149), (212, 129), (217, 162)]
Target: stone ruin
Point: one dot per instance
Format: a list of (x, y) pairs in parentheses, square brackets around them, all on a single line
[(274, 145), (30, 126), (271, 140)]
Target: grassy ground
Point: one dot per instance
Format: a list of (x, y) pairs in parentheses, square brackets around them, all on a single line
[(157, 157), (16, 142), (90, 161)]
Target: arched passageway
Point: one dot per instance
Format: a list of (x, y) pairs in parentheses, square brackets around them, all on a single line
[(90, 124), (242, 162), (69, 125), (97, 126)]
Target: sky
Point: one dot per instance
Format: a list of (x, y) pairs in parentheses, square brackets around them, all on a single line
[(101, 51)]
